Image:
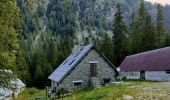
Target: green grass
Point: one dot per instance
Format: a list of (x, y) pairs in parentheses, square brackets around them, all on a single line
[(31, 94), (109, 92)]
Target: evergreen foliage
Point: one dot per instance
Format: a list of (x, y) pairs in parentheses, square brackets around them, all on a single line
[(39, 77), (160, 29), (106, 47), (119, 37), (46, 29), (11, 53)]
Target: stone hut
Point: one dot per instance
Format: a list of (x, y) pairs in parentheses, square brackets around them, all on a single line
[(85, 67), (151, 65)]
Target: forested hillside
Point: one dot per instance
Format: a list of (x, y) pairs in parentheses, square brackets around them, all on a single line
[(37, 35), (51, 27)]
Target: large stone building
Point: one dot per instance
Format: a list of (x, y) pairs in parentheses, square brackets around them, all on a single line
[(85, 67), (151, 65)]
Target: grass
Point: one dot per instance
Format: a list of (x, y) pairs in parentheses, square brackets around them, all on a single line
[(135, 89), (32, 94), (110, 92)]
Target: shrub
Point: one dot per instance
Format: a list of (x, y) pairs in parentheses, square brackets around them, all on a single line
[(32, 91)]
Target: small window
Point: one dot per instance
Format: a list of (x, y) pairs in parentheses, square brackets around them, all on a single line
[(77, 83), (167, 71)]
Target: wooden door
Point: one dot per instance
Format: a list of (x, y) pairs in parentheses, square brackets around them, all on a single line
[(93, 69)]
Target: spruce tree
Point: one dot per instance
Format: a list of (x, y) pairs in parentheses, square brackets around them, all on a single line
[(119, 37), (148, 37), (142, 13), (39, 77), (134, 35), (160, 31), (52, 53), (106, 47)]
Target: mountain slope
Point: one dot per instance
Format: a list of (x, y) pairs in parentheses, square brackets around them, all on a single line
[(44, 19)]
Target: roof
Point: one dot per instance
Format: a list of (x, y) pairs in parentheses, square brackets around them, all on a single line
[(155, 60), (70, 62)]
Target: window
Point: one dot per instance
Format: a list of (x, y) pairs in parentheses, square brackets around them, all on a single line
[(167, 71), (77, 83), (93, 69)]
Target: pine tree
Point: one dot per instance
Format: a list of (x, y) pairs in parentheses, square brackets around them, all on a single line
[(52, 53), (47, 70), (167, 40), (142, 13), (160, 30), (148, 37), (119, 37), (134, 35), (39, 77), (106, 47)]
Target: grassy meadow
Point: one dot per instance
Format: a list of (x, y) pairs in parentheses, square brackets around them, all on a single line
[(132, 90)]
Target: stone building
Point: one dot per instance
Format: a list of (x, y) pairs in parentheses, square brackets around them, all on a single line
[(152, 65), (85, 67)]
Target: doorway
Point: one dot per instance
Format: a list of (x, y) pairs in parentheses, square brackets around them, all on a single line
[(142, 75), (93, 69)]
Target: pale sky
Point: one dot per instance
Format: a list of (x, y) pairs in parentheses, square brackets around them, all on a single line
[(163, 2)]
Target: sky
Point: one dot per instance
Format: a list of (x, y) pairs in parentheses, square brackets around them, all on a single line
[(163, 2)]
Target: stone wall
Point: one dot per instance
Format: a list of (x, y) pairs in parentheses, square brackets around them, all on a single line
[(149, 75), (82, 72)]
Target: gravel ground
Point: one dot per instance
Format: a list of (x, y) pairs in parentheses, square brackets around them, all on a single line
[(153, 91)]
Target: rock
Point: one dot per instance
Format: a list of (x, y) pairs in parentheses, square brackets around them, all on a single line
[(127, 97)]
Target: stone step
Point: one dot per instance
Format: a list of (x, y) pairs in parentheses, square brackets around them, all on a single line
[(96, 82)]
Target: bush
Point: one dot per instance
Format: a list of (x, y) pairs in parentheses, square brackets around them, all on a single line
[(32, 91)]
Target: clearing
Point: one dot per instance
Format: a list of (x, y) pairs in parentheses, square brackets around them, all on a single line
[(130, 90)]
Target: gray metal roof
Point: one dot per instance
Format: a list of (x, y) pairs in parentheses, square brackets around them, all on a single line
[(69, 63)]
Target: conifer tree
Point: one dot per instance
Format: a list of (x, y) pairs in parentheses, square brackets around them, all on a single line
[(142, 13), (119, 37), (106, 47), (134, 35), (39, 77), (148, 37), (52, 53), (160, 31)]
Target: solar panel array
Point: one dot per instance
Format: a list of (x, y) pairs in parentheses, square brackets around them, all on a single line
[(69, 64)]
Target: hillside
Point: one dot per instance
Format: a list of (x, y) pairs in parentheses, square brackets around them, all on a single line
[(43, 19)]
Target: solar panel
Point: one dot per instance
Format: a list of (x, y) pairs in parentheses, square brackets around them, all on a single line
[(69, 64)]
